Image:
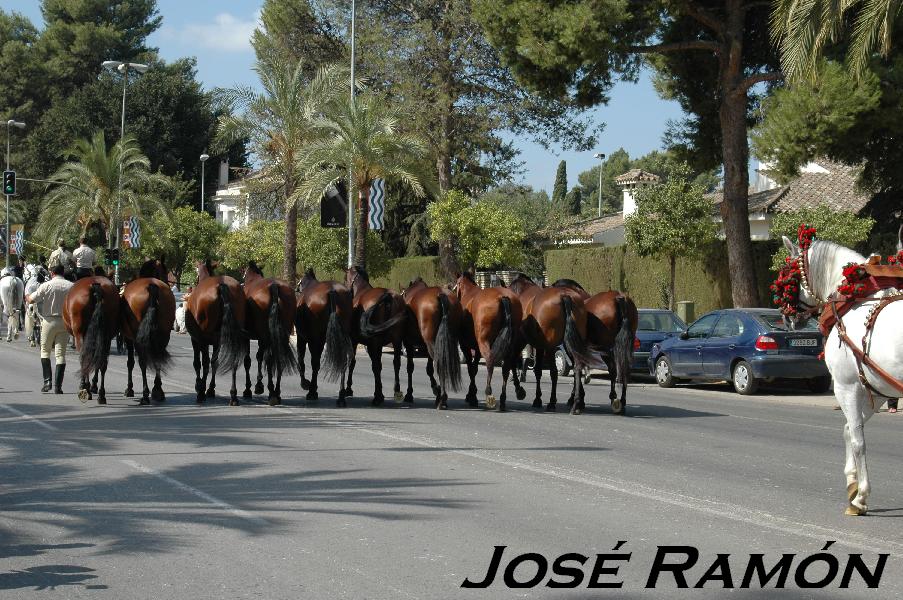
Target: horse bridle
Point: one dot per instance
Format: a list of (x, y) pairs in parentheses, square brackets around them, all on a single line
[(809, 310)]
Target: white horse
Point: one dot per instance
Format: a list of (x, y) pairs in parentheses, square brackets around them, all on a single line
[(12, 293), (824, 274), (35, 275)]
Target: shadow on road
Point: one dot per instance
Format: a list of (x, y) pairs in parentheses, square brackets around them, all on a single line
[(48, 577)]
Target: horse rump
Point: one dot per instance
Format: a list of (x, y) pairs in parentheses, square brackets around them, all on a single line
[(151, 340), (231, 339), (280, 348), (337, 355), (504, 340), (95, 341), (368, 328), (445, 349)]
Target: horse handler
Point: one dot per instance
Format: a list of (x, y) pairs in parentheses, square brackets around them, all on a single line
[(50, 297)]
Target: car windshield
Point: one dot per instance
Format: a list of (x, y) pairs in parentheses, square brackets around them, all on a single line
[(775, 322), (660, 321)]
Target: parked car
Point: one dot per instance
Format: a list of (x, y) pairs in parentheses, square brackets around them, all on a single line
[(654, 325), (743, 346)]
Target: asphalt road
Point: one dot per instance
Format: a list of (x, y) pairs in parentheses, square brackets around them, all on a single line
[(310, 501)]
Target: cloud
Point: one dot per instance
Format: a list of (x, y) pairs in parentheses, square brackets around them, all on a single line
[(227, 33)]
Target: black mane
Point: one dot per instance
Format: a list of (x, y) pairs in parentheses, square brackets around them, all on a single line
[(252, 266), (568, 283)]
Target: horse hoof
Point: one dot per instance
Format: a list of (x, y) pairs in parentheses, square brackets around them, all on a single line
[(211, 393), (305, 384), (490, 402), (258, 389), (472, 402), (273, 401), (520, 393), (398, 396), (341, 403), (33, 345), (312, 395), (409, 398), (233, 401), (376, 401), (129, 393), (537, 404), (94, 388), (84, 395), (101, 400), (550, 407), (577, 411), (247, 394), (144, 401), (617, 407), (854, 511), (160, 397)]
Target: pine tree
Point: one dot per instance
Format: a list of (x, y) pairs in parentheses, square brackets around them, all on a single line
[(559, 192), (574, 201)]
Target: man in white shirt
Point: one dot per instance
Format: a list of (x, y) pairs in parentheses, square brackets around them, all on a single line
[(84, 257), (49, 298)]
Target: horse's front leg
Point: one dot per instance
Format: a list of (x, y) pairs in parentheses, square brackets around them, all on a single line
[(145, 390), (157, 394), (396, 364), (198, 380), (129, 365), (375, 351), (854, 401), (578, 405), (261, 354), (233, 391), (472, 364), (214, 365), (491, 401), (347, 386), (538, 357), (94, 382), (101, 391), (247, 393), (409, 396), (849, 468)]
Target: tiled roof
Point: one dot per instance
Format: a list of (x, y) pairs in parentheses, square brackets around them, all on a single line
[(587, 229), (634, 175)]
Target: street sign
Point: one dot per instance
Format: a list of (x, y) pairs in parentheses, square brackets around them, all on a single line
[(9, 183), (334, 207), (377, 212)]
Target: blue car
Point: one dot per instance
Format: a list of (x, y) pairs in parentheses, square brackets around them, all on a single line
[(743, 346), (654, 326)]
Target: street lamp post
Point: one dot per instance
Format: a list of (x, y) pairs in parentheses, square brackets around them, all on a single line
[(122, 67), (204, 158), (9, 124), (601, 157), (350, 187)]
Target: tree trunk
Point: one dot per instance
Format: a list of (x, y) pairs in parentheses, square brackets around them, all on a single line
[(735, 156), (360, 235), (671, 291), (290, 245), (448, 262)]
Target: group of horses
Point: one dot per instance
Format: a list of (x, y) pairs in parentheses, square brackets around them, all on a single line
[(330, 319)]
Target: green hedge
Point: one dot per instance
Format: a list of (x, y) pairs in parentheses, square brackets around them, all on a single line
[(705, 280), (404, 270)]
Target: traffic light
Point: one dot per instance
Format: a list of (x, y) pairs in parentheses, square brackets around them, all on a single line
[(114, 256), (9, 183)]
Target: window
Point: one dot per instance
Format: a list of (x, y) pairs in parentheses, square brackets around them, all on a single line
[(660, 321), (729, 326), (702, 327)]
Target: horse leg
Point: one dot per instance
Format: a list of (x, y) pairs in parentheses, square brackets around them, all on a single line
[(618, 407), (214, 365), (233, 391), (102, 391), (157, 394), (129, 365), (278, 390), (849, 468), (853, 399), (578, 405), (341, 401), (613, 377), (396, 364), (472, 365), (315, 354), (198, 381), (246, 394), (553, 396), (491, 401), (537, 372), (94, 383), (145, 393), (347, 387), (519, 390), (409, 397), (302, 350), (272, 398), (430, 372), (261, 353), (376, 364), (508, 367)]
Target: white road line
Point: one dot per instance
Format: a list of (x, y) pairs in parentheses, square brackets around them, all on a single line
[(195, 492), (725, 510), (28, 417)]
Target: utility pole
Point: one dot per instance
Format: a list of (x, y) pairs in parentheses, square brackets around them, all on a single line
[(350, 185), (601, 157), (20, 125)]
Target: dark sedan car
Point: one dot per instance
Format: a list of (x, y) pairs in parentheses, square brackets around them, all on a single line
[(743, 346), (654, 326)]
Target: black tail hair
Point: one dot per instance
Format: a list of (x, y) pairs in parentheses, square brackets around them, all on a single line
[(573, 343), (623, 348), (337, 355), (504, 341), (280, 348), (96, 342), (445, 349), (151, 339), (368, 329), (231, 341)]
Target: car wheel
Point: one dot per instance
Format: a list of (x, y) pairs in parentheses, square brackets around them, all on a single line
[(743, 379), (819, 385), (663, 372), (562, 363)]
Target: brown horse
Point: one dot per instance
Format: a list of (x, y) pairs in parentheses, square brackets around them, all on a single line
[(378, 320), (490, 328), (270, 319), (147, 312), (554, 317), (91, 316), (611, 328), (215, 316), (323, 321), (434, 323)]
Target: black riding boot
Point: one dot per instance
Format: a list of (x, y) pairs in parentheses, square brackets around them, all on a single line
[(60, 371), (48, 382)]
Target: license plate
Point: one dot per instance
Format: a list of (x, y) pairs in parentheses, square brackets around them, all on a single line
[(806, 342)]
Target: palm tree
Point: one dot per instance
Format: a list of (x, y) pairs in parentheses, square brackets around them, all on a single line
[(803, 28), (365, 135), (279, 122), (87, 189)]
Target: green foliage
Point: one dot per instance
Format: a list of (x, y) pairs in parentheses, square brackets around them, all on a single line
[(402, 271), (672, 218), (296, 30), (560, 190), (574, 201), (186, 237), (483, 233), (844, 228), (815, 119)]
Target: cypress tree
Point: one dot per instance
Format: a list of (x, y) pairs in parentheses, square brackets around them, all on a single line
[(559, 192)]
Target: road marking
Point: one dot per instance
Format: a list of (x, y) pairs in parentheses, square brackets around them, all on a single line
[(725, 510), (838, 430), (195, 492), (28, 417)]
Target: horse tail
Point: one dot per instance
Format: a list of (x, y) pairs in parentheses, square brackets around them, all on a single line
[(151, 340), (623, 348), (445, 348), (95, 343), (504, 341), (368, 329), (280, 348), (573, 342), (337, 355), (231, 342)]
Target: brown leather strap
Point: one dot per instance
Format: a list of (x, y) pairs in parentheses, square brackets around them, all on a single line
[(863, 358)]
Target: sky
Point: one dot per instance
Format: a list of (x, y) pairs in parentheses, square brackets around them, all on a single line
[(218, 34)]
